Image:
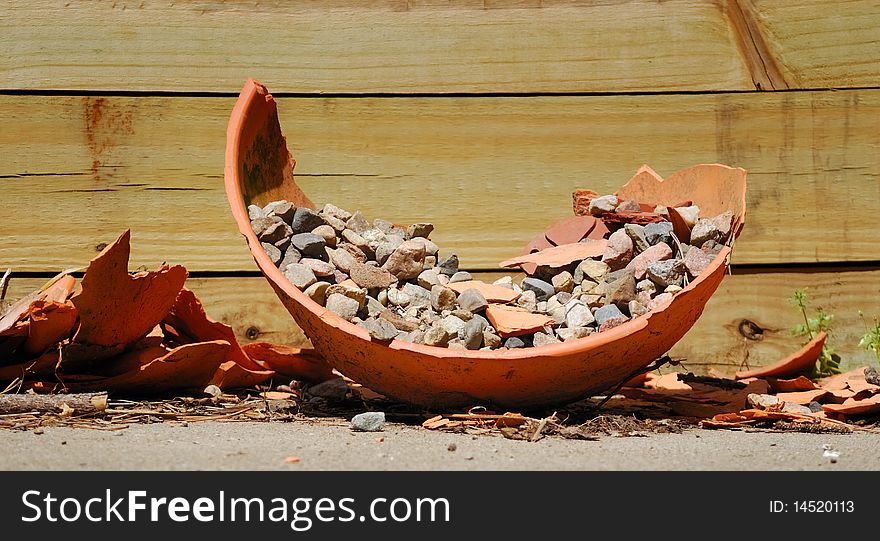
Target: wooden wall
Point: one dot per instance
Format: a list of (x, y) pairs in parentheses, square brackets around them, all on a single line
[(481, 116)]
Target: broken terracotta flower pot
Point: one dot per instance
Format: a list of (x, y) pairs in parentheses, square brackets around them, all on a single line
[(259, 169)]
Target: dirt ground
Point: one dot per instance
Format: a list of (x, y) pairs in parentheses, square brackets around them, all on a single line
[(332, 445)]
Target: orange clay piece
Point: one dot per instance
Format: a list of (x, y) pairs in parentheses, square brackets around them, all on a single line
[(258, 170), (796, 363)]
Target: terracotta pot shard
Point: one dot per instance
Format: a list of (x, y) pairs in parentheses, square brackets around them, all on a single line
[(116, 308), (441, 377), (797, 363), (559, 256)]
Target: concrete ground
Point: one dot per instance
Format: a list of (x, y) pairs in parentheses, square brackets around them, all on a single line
[(265, 446)]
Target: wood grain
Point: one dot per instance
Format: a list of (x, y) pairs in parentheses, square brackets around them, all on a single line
[(489, 172), (820, 44), (250, 306), (396, 46)]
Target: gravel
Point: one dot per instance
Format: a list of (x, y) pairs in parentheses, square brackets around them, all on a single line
[(393, 282)]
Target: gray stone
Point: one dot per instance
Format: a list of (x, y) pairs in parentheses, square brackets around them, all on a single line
[(399, 322), (291, 255), (578, 315), (528, 300), (544, 339), (422, 229), (573, 333), (398, 297), (259, 225), (646, 285), (332, 210), (380, 330), (456, 343), (452, 324), (309, 245), (282, 244), (587, 286), (429, 278), (630, 205), (514, 342), (360, 242), (343, 260), (659, 300), (491, 339), (407, 260), (431, 249), (318, 292), (563, 297), (369, 421), (320, 268), (305, 220), (610, 323), (761, 401), (603, 205), (282, 209), (418, 295), (374, 238), (593, 269), (387, 248), (442, 298), (334, 222), (274, 232), (690, 214), (344, 307), (619, 251), (563, 282), (436, 335), (449, 266), (327, 233), (607, 312), (461, 276), (472, 300), (273, 252), (636, 308), (712, 229), (542, 289), (636, 233), (658, 232), (357, 223), (254, 212), (593, 301), (667, 273), (557, 313), (382, 225), (332, 389), (504, 281), (622, 290), (356, 293), (696, 261), (472, 334), (371, 277), (374, 307), (300, 275)]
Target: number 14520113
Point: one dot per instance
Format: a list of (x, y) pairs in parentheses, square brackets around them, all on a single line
[(812, 506)]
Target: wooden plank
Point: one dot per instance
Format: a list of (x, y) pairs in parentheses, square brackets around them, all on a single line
[(251, 307), (821, 44), (489, 172), (396, 46)]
